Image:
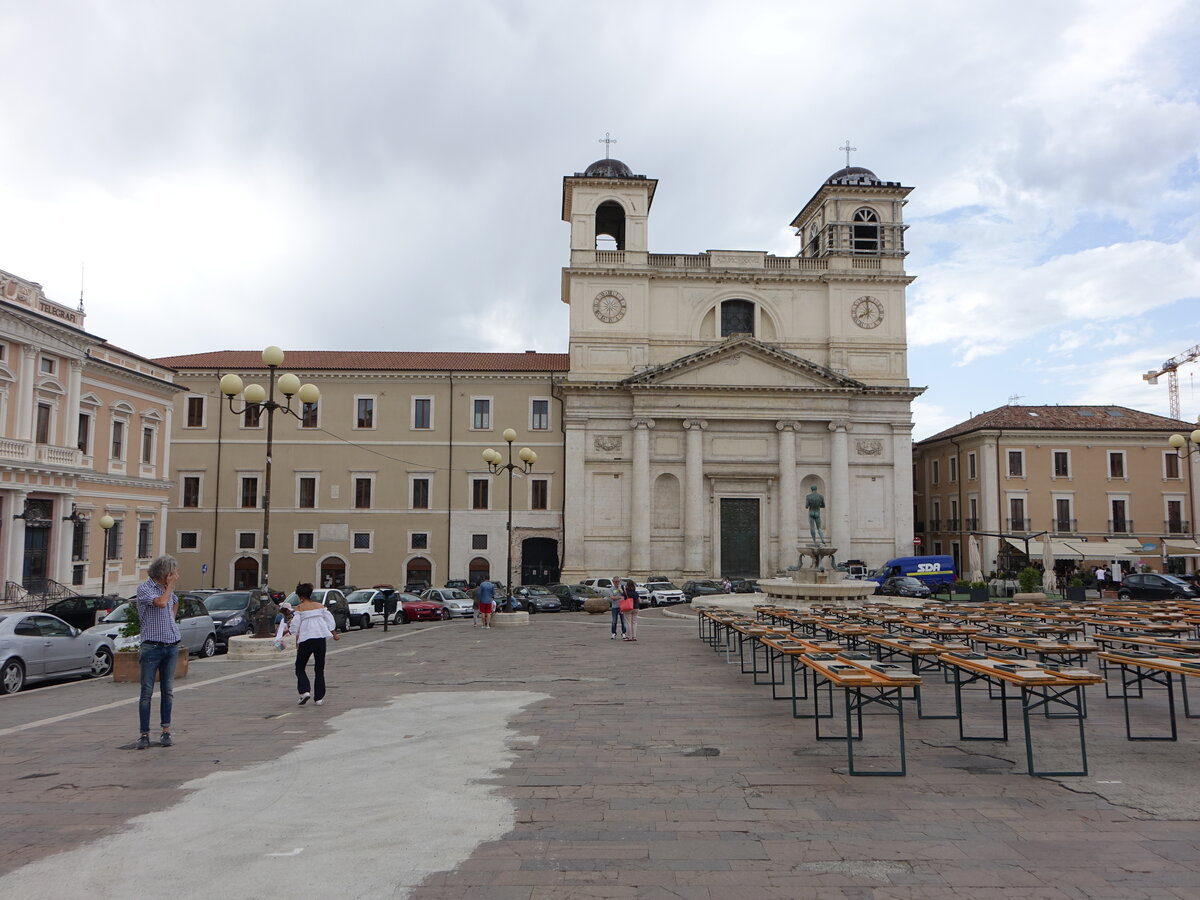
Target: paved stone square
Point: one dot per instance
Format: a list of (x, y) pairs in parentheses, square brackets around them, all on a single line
[(553, 762)]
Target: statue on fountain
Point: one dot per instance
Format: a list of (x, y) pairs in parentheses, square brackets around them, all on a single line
[(814, 503)]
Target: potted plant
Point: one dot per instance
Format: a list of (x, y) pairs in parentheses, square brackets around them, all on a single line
[(979, 592), (962, 586), (1075, 592), (127, 663), (1030, 580)]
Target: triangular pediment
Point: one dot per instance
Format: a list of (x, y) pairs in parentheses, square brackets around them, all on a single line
[(743, 362)]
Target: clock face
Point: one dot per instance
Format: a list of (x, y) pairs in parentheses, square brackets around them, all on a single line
[(609, 306), (867, 312)]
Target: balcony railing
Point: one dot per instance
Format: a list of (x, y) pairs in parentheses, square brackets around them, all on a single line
[(935, 524), (1177, 526), (1018, 525), (47, 454), (970, 524), (1120, 526), (952, 524), (1063, 526)]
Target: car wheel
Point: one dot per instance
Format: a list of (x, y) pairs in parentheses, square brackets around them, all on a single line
[(364, 623), (12, 679), (209, 648), (654, 601), (102, 662), (1124, 595), (401, 619)]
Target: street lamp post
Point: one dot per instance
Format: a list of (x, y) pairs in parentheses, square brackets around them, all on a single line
[(106, 522), (254, 395), (1185, 447), (496, 465)]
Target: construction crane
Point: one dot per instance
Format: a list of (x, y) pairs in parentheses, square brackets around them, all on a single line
[(1170, 369)]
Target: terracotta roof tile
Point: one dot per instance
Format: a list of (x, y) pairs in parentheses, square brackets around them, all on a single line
[(374, 361), (1063, 418)]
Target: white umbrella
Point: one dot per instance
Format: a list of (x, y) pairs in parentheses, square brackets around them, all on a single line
[(973, 555), (1047, 566)]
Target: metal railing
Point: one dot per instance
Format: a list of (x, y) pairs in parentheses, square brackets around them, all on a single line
[(1120, 526)]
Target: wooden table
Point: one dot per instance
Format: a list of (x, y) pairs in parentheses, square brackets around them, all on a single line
[(1141, 669)]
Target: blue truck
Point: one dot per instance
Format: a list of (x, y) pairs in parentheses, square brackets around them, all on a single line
[(930, 570)]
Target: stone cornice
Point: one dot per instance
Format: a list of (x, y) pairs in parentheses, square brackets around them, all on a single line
[(735, 276)]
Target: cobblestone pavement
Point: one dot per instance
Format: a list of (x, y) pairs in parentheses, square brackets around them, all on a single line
[(648, 769)]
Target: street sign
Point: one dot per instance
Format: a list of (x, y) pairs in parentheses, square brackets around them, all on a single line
[(916, 542), (204, 569)]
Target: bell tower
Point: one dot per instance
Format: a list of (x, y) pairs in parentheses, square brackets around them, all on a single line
[(607, 207)]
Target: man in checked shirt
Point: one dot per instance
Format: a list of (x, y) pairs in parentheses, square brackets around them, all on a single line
[(156, 605)]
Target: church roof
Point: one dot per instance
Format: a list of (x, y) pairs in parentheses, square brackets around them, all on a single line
[(1062, 418), (375, 361), (853, 175), (608, 168)]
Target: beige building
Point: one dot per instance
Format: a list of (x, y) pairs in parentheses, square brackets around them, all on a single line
[(84, 433), (709, 393), (381, 481), (1101, 481)]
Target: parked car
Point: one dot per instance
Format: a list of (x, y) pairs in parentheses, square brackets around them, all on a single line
[(904, 586), (228, 609), (412, 608), (82, 611), (38, 646), (536, 599), (455, 600), (642, 593), (416, 587), (703, 588), (573, 596), (663, 593), (334, 601), (1152, 586), (604, 586), (362, 607), (745, 586), (460, 583), (198, 629)]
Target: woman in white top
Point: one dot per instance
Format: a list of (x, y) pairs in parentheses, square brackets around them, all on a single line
[(313, 625)]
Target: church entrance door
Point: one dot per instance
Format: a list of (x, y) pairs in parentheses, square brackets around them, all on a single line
[(739, 537)]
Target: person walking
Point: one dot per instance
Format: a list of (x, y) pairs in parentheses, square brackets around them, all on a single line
[(282, 620), (629, 606), (486, 594), (159, 646), (313, 625), (614, 600)]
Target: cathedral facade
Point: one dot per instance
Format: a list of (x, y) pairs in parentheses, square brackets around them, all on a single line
[(708, 394)]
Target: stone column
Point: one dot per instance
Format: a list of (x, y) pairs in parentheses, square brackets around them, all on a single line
[(902, 486), (74, 385), (575, 564), (60, 570), (993, 508), (788, 501), (25, 389), (639, 507), (838, 505), (693, 498), (15, 565)]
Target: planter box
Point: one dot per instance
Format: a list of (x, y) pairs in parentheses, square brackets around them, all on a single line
[(1075, 593), (127, 666), (979, 595)]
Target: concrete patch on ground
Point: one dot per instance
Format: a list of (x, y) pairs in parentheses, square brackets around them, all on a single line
[(392, 795)]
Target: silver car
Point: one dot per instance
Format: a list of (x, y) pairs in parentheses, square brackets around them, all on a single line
[(197, 630), (38, 646), (457, 603)]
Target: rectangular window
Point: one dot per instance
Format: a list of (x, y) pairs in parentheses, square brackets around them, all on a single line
[(481, 417), (362, 493), (364, 416), (1175, 523), (305, 540), (118, 440), (1062, 516), (1016, 513), (1016, 463), (145, 550), (191, 491), (362, 540), (420, 540), (422, 412), (43, 423), (935, 471), (114, 540), (309, 414), (1118, 524), (539, 415), (971, 467), (1116, 463), (189, 540), (195, 412), (479, 542), (249, 491), (247, 540), (307, 498), (420, 493), (539, 493), (953, 469), (47, 365), (479, 493), (1062, 464), (252, 417), (79, 542), (147, 446), (1170, 464), (85, 433)]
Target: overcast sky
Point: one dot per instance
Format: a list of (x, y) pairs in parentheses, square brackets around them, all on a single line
[(387, 175)]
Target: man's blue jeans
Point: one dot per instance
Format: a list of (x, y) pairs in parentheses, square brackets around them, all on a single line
[(158, 660), (617, 617)]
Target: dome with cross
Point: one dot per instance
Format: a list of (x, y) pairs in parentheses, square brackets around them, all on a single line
[(853, 175), (608, 168)]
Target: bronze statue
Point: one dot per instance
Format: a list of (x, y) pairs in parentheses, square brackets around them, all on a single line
[(814, 503)]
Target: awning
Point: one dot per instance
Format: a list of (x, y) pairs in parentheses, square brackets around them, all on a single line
[(1066, 548), (1182, 548)]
